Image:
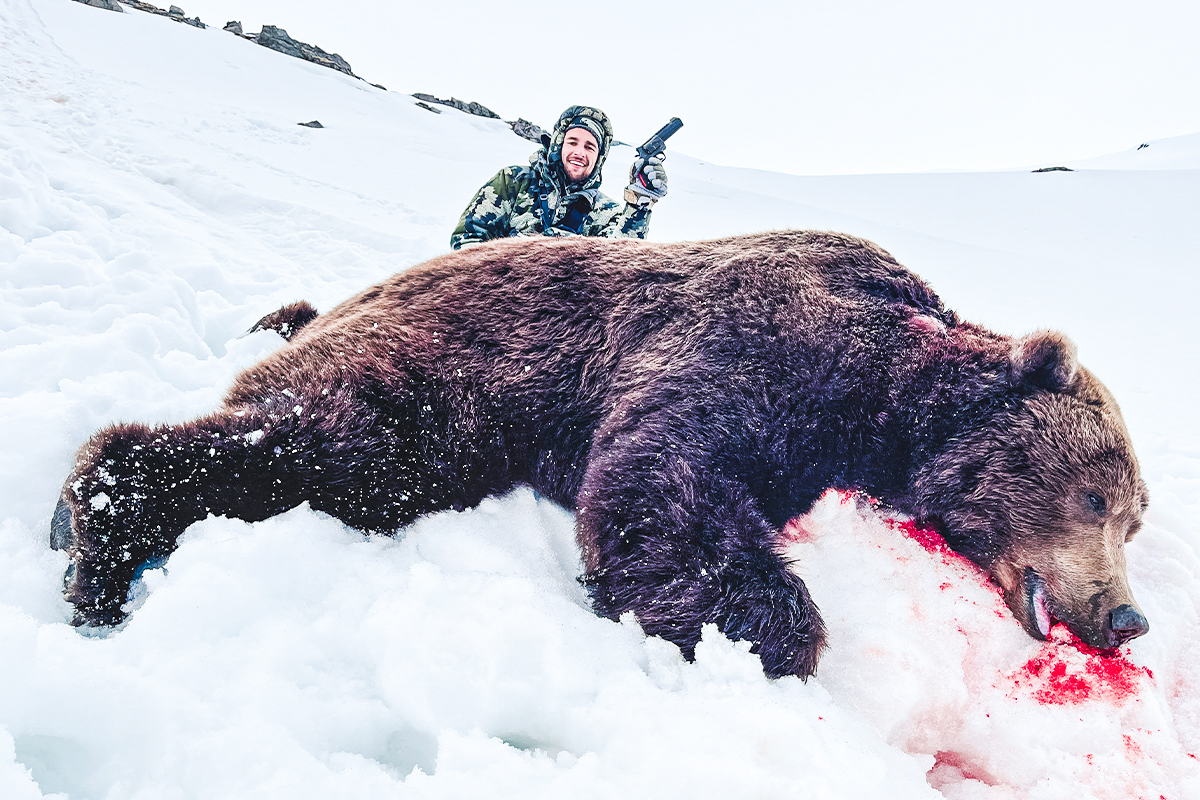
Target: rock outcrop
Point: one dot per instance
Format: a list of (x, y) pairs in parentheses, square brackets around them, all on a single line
[(174, 12), (110, 5), (527, 130), (278, 39), (520, 126), (470, 108)]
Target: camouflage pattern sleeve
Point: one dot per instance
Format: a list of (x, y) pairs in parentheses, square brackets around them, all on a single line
[(486, 217), (612, 220)]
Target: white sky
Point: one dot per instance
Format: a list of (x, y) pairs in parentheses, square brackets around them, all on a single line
[(844, 87)]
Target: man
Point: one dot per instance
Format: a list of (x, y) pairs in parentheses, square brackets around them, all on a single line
[(558, 194)]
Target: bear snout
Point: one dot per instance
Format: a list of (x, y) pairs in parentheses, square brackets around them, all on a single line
[(1125, 623)]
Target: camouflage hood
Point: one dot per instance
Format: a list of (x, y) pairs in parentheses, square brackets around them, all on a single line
[(549, 158)]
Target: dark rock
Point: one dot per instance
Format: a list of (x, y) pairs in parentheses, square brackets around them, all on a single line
[(527, 130), (176, 13), (428, 107), (478, 110), (234, 26), (1054, 169), (470, 108), (521, 127), (379, 86), (311, 124), (278, 39), (110, 5), (1144, 144), (147, 7)]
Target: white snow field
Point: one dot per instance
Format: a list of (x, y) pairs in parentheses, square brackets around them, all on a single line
[(157, 197)]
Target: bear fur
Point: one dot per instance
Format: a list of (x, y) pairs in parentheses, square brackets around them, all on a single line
[(685, 400)]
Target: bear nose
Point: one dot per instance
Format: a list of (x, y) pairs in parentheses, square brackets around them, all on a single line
[(1126, 623)]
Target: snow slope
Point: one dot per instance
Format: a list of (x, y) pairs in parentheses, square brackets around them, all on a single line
[(157, 196)]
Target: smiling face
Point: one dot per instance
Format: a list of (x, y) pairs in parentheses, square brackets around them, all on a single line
[(579, 153), (1045, 497)]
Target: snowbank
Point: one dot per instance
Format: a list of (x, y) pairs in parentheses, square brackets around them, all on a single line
[(157, 196)]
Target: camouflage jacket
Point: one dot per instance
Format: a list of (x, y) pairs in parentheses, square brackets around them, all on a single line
[(536, 200)]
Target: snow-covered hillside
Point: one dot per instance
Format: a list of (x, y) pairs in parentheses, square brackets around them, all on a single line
[(157, 196)]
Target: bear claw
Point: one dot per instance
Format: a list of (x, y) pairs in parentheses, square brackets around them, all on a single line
[(61, 535)]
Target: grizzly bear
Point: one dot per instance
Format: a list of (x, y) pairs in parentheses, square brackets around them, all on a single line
[(685, 400)]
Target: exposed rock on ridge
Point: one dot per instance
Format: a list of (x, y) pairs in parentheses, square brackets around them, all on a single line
[(278, 39), (175, 12), (110, 5), (471, 108), (527, 130), (520, 126)]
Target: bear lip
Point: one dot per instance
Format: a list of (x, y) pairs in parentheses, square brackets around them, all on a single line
[(1037, 605)]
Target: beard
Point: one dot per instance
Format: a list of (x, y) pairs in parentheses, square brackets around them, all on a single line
[(572, 178)]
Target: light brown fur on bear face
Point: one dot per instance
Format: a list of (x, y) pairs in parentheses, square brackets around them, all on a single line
[(1091, 499), (1055, 485)]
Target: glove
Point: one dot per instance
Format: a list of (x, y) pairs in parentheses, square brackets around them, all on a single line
[(647, 181)]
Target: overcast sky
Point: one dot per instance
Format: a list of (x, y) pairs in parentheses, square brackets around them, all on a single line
[(841, 86)]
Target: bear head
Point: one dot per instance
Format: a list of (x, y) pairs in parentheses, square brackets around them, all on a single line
[(1043, 491)]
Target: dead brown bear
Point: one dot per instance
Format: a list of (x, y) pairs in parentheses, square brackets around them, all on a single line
[(685, 400)]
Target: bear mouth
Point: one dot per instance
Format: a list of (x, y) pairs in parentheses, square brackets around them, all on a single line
[(1037, 602)]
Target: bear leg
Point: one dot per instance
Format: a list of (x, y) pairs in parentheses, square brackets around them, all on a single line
[(135, 489), (123, 507), (681, 549)]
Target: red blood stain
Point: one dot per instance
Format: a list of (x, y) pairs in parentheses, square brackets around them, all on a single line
[(1058, 676), (964, 765), (1055, 676), (795, 531), (1132, 747), (1052, 679), (933, 542)]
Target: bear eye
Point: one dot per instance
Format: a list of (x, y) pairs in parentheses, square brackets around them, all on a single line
[(1096, 503)]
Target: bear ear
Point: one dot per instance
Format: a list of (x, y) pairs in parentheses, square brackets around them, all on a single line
[(1043, 360)]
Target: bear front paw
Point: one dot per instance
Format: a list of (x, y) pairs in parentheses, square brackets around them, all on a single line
[(109, 524), (765, 603), (95, 582), (776, 615), (751, 597)]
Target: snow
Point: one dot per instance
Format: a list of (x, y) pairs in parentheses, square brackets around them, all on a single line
[(157, 197), (1177, 152)]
